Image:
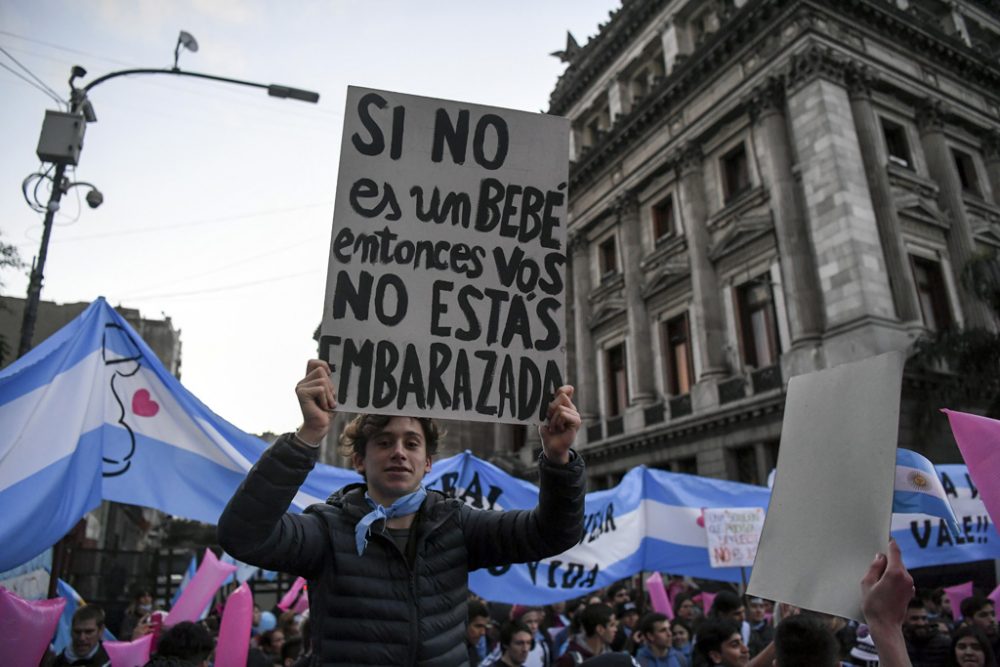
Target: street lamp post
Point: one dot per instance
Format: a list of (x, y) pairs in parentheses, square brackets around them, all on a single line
[(80, 112)]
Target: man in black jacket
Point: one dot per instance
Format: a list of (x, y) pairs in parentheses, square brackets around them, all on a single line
[(387, 561)]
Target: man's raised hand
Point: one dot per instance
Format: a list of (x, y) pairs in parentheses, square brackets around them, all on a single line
[(317, 400), (562, 423)]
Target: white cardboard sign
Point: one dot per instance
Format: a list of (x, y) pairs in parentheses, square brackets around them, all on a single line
[(446, 283), (733, 534)]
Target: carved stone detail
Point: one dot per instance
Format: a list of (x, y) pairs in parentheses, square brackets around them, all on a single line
[(860, 80), (767, 98), (816, 62), (931, 116), (688, 159)]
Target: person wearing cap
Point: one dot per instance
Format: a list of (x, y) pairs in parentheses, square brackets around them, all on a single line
[(540, 654), (628, 617), (864, 653)]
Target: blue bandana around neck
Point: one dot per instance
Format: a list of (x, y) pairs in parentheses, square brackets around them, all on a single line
[(405, 506)]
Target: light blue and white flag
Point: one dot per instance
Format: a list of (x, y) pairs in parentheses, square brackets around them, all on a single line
[(189, 573), (92, 414), (919, 491), (243, 571)]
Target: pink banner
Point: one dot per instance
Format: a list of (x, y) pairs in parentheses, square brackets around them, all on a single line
[(26, 628), (289, 598), (955, 596), (234, 632), (707, 599), (995, 596), (199, 591), (658, 595), (978, 439), (130, 654)]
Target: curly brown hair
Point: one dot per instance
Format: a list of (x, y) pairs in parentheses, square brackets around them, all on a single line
[(357, 433)]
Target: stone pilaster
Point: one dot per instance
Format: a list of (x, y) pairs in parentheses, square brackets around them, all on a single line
[(904, 290), (931, 119), (639, 337), (859, 314), (586, 374), (803, 298), (706, 309), (991, 154)]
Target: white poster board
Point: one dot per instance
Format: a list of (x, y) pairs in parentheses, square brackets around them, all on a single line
[(733, 534), (832, 499), (445, 289)]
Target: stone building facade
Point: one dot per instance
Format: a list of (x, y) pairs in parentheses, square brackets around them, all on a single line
[(763, 188)]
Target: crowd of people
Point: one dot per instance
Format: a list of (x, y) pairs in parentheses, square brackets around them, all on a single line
[(613, 626)]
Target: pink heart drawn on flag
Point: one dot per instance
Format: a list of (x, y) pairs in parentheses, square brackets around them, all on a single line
[(143, 405)]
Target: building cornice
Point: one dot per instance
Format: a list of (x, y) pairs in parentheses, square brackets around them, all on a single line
[(747, 26)]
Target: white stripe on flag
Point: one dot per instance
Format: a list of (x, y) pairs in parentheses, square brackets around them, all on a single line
[(918, 481)]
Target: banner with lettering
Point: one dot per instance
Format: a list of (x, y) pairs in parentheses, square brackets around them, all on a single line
[(654, 521), (445, 289)]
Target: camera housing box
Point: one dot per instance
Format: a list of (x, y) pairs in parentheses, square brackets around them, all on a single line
[(62, 138)]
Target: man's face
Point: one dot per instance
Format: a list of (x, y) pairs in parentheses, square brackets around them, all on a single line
[(607, 632), (661, 638), (986, 620), (621, 597), (686, 610), (757, 611), (476, 629), (520, 647), (86, 634), (395, 460), (630, 619), (532, 619), (738, 615), (916, 623), (732, 653)]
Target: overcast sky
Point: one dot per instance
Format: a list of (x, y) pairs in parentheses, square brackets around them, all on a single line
[(218, 199)]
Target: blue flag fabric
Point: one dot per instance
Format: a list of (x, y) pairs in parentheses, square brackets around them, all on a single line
[(92, 414), (918, 490)]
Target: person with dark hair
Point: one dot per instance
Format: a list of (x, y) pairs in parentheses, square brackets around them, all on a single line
[(599, 627), (270, 643), (139, 606), (925, 645), (185, 643), (291, 650), (685, 608), (971, 648), (657, 648), (729, 605), (719, 643), (85, 649), (980, 612), (761, 629), (805, 641), (681, 632), (617, 594), (475, 629), (628, 618), (516, 642), (388, 553)]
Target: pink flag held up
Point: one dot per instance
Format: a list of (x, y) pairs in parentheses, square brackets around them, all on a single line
[(978, 439), (199, 591), (707, 600), (956, 594), (130, 654), (288, 599), (658, 595), (234, 632), (995, 596), (26, 628)]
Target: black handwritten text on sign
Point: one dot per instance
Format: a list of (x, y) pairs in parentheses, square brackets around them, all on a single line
[(446, 284)]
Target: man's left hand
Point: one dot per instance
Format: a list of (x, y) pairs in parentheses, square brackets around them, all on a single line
[(559, 431)]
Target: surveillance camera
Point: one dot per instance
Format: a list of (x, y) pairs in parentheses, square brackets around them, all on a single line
[(94, 198)]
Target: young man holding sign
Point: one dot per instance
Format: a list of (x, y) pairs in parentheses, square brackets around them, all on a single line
[(388, 561)]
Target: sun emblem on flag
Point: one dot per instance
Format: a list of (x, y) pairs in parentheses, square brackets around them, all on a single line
[(918, 480)]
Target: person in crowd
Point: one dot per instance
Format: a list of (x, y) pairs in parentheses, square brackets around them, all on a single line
[(599, 627), (805, 641), (291, 651), (138, 607), (970, 648), (392, 535), (617, 594), (979, 611), (516, 643), (186, 643), (288, 622), (85, 649), (541, 651), (720, 643), (681, 632), (305, 657), (685, 608), (761, 628), (475, 629), (560, 641), (925, 645), (628, 617), (657, 648), (729, 605), (270, 643), (863, 653)]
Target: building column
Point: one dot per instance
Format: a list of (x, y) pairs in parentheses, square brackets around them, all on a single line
[(586, 372), (961, 245), (616, 100), (858, 310), (706, 308), (640, 344), (800, 281), (897, 264), (991, 155)]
